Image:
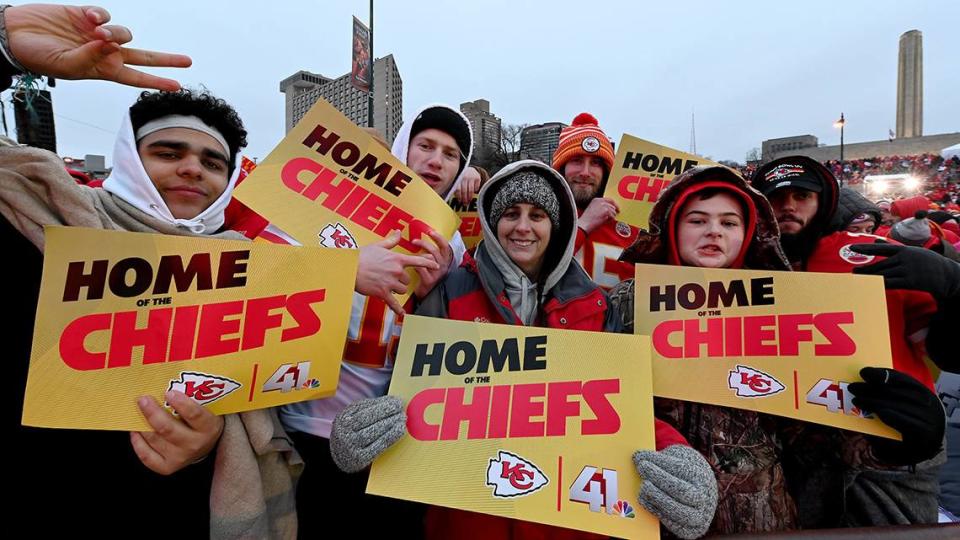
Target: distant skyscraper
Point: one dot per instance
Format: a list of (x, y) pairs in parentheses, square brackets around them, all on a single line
[(910, 85), (303, 89), (486, 126), (35, 127), (540, 141)]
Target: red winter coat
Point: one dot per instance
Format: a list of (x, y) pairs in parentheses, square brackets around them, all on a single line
[(575, 303)]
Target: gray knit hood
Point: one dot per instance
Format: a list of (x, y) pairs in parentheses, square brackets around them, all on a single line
[(523, 294)]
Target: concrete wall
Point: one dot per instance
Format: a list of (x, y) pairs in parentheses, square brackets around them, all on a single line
[(930, 144)]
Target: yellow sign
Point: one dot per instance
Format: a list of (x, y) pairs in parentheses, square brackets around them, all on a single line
[(330, 184), (526, 423), (641, 170), (234, 325), (784, 343), (470, 228)]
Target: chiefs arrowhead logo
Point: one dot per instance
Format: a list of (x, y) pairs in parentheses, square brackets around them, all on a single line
[(512, 476), (203, 388), (590, 144), (336, 236), (853, 257), (749, 382)]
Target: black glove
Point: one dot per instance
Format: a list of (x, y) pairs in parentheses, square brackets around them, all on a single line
[(908, 267), (907, 406)]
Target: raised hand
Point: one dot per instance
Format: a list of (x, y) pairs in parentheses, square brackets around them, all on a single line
[(72, 42)]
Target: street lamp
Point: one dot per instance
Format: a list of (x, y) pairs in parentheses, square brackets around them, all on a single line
[(839, 124)]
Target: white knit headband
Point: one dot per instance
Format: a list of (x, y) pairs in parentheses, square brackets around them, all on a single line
[(181, 121)]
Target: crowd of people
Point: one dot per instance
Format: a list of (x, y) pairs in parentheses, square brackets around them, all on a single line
[(553, 254), (937, 179)]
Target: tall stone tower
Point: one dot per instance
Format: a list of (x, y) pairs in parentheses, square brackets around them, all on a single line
[(910, 85)]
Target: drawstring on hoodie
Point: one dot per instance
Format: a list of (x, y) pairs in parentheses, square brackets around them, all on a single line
[(196, 227), (541, 315)]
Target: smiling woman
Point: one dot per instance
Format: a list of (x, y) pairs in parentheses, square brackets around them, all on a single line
[(528, 217), (523, 213)]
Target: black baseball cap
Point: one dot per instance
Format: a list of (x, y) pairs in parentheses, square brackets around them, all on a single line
[(788, 174)]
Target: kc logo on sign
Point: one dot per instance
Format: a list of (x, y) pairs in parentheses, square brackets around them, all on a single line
[(749, 382), (203, 388), (513, 476), (337, 236), (853, 257)]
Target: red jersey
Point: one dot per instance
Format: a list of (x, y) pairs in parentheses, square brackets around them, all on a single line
[(598, 252), (908, 312)]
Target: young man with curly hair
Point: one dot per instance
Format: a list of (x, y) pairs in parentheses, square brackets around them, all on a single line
[(174, 170), (174, 161)]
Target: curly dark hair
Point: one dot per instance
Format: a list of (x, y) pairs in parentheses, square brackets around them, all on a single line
[(210, 109)]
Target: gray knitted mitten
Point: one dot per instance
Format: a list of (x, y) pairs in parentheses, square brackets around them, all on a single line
[(364, 430), (679, 488)]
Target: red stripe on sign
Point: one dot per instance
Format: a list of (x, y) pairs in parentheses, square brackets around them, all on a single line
[(253, 382), (796, 391), (559, 481)]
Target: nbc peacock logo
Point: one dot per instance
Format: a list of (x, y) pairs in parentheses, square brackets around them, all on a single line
[(623, 509)]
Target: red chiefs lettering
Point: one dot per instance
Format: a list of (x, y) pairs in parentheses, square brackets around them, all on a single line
[(189, 332), (352, 201), (519, 410), (470, 226), (757, 335), (641, 188)]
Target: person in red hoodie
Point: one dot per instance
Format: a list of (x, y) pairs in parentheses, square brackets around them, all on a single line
[(584, 157), (523, 273), (923, 299)]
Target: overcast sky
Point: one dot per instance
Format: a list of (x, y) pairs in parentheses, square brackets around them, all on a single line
[(750, 70)]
